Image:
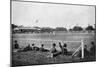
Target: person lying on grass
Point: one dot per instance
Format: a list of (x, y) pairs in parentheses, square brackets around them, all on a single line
[(42, 49)]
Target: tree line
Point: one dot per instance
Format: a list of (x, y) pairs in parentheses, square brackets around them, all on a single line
[(89, 28)]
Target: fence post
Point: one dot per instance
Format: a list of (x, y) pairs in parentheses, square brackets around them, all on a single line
[(82, 44)]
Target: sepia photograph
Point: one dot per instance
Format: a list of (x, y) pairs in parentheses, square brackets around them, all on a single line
[(52, 33)]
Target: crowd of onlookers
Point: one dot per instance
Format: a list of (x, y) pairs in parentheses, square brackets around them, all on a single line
[(55, 52), (90, 52)]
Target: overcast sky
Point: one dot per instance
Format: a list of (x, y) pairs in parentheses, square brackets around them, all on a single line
[(51, 15)]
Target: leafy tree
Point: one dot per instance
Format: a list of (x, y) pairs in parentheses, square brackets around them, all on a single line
[(13, 26), (77, 28), (60, 29), (89, 28), (47, 29)]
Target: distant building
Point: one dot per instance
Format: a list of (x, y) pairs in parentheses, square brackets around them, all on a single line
[(26, 29)]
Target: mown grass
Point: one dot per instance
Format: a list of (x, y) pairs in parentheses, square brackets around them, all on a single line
[(26, 39), (38, 58)]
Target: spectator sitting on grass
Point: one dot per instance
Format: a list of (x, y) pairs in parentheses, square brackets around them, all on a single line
[(53, 49), (42, 48), (32, 46), (16, 46), (93, 49), (64, 50), (86, 52), (35, 48)]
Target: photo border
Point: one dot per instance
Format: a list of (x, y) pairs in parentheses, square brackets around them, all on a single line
[(11, 47)]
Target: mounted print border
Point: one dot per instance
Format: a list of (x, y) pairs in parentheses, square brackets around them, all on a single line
[(52, 33)]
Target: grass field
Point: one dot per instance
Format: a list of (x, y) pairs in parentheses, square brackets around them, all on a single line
[(33, 58), (38, 58), (47, 39)]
